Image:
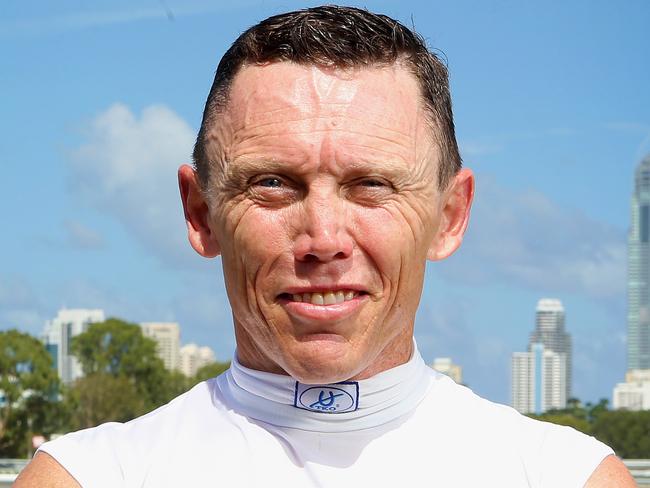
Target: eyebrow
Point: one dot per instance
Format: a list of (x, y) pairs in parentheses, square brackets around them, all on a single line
[(241, 170)]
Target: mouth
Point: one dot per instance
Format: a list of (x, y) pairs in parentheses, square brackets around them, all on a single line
[(323, 297)]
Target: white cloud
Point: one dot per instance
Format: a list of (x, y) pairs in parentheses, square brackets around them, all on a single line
[(525, 239), (81, 236), (127, 167)]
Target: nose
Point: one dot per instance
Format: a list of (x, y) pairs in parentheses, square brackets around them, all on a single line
[(324, 234)]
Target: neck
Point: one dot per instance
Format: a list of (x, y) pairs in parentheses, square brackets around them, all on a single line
[(352, 405)]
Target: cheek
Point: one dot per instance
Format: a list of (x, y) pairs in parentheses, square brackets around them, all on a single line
[(385, 235), (259, 238)]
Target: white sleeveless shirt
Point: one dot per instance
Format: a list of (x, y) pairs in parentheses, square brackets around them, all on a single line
[(408, 426)]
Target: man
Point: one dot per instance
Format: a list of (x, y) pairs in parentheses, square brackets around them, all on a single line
[(326, 174)]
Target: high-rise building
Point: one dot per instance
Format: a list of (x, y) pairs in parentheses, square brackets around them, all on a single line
[(550, 331), (638, 279), (538, 378), (194, 358), (634, 394), (541, 377), (446, 366), (168, 341), (58, 335)]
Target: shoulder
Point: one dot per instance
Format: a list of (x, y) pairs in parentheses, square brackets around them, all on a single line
[(45, 472), (115, 454), (550, 455), (611, 473)]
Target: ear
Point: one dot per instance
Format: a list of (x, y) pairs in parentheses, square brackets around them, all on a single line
[(197, 214), (456, 203)]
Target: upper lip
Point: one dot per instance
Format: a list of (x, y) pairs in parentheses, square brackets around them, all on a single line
[(294, 290)]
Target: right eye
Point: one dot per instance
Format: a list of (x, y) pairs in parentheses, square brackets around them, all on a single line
[(270, 182), (272, 189)]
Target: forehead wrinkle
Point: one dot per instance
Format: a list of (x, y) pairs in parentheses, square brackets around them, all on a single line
[(299, 95), (320, 93), (272, 109), (368, 153)]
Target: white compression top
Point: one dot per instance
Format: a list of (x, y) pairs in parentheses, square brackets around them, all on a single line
[(408, 426)]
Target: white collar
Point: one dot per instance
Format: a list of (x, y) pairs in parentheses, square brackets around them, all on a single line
[(281, 401)]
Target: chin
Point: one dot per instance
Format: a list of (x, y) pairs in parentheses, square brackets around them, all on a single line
[(323, 361)]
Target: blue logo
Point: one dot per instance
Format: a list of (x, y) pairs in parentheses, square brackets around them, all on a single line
[(338, 398)]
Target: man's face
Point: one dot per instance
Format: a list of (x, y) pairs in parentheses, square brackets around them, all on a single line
[(324, 212)]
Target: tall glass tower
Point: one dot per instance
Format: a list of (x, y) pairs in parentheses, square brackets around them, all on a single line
[(638, 272)]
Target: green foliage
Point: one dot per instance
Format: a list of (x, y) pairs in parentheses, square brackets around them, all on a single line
[(566, 419), (30, 389), (102, 397), (123, 378), (174, 384), (210, 371), (628, 433), (117, 348)]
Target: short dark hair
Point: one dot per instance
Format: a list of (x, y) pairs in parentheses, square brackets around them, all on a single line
[(338, 37)]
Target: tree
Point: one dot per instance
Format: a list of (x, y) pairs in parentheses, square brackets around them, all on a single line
[(30, 392), (596, 410), (210, 371), (118, 348), (560, 418), (628, 433), (174, 384), (102, 397)]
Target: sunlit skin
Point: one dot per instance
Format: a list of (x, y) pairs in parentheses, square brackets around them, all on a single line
[(328, 183)]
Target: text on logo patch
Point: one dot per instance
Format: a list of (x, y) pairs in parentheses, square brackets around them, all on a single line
[(336, 398)]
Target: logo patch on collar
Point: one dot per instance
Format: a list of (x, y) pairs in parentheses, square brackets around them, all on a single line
[(336, 398)]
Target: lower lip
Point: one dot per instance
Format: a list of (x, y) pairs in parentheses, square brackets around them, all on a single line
[(323, 313)]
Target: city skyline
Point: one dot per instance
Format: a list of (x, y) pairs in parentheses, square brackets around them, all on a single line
[(69, 322), (102, 104)]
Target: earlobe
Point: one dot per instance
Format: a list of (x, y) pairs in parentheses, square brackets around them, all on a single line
[(457, 201), (197, 214)]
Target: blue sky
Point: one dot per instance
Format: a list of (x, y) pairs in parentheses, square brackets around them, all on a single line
[(100, 103)]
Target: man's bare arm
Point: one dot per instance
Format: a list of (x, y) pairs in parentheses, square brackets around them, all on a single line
[(611, 473), (45, 472)]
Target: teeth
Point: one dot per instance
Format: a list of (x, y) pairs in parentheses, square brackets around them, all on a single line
[(325, 298)]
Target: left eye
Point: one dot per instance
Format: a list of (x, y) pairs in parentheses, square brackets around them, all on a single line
[(372, 183)]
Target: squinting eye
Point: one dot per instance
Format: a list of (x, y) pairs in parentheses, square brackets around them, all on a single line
[(270, 183), (372, 183)]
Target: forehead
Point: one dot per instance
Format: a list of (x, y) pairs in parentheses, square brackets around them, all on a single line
[(388, 97)]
